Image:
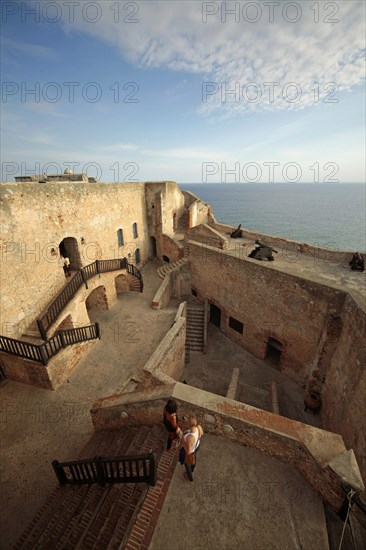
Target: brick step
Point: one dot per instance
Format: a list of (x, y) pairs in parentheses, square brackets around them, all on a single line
[(90, 516)]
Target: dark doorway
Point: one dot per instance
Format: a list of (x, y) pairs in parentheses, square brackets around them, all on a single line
[(69, 249), (153, 246), (274, 351), (137, 256), (215, 315), (166, 259), (174, 221)]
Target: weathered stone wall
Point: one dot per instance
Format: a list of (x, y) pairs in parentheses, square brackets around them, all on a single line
[(207, 235), (48, 377), (269, 303), (166, 364), (319, 456), (37, 217), (344, 391), (198, 213), (163, 200), (166, 246)]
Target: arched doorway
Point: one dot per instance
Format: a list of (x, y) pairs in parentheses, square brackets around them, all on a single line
[(137, 256), (97, 299), (69, 249), (153, 246), (166, 259)]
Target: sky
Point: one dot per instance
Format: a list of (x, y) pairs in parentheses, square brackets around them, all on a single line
[(190, 91)]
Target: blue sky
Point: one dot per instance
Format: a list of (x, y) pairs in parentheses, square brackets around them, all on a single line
[(144, 93)]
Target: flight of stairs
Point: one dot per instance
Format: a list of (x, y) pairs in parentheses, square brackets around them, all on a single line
[(133, 283), (195, 329), (164, 269), (93, 516)]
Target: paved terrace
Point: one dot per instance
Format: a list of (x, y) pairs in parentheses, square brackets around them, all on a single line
[(335, 275)]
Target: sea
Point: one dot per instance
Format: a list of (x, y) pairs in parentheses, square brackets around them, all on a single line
[(327, 215)]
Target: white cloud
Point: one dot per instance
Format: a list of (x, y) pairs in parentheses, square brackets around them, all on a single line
[(173, 35)]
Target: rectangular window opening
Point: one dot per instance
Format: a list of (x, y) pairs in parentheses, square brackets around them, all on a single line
[(236, 325)]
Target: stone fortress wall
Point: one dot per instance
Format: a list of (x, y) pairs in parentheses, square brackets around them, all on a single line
[(321, 329)]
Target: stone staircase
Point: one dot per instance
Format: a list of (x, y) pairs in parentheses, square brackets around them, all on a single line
[(164, 269), (195, 328), (133, 282), (93, 516)]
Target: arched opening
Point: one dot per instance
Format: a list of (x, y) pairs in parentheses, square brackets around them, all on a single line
[(137, 256), (69, 249), (121, 284), (273, 353), (215, 315), (97, 299), (153, 246), (166, 259)]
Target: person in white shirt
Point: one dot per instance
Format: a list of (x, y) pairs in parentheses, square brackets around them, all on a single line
[(191, 442)]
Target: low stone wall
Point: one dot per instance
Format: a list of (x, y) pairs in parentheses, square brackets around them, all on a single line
[(320, 456), (208, 235), (331, 253), (163, 294), (166, 364), (48, 377), (233, 389)]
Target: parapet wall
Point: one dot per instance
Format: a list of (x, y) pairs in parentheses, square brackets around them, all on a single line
[(320, 456), (330, 252), (344, 391)]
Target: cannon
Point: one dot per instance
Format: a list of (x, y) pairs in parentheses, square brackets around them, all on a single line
[(357, 263), (236, 234), (262, 251)]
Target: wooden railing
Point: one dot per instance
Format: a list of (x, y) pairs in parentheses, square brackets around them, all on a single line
[(122, 469), (78, 280), (42, 353)]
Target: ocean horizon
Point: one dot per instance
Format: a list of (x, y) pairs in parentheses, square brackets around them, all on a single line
[(323, 214)]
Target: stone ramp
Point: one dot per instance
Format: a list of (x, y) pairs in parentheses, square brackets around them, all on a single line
[(92, 516)]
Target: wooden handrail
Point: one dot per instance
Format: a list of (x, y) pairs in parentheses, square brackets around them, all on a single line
[(81, 278), (42, 353), (119, 469)]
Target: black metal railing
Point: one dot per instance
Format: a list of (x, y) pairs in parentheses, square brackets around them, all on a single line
[(132, 269), (122, 469), (42, 353), (78, 280)]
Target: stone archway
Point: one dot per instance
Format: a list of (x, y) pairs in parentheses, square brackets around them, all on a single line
[(69, 249), (97, 299)]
